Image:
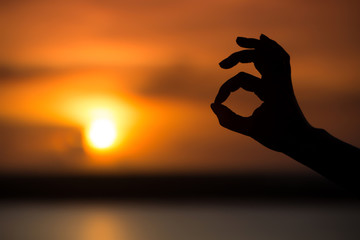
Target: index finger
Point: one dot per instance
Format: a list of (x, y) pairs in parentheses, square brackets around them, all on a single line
[(230, 120)]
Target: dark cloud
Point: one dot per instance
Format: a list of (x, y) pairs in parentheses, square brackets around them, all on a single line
[(38, 146), (182, 81), (33, 73), (9, 72)]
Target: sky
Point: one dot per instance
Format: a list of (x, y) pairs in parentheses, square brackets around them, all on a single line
[(152, 67)]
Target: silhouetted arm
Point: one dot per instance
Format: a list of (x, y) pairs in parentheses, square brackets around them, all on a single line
[(329, 156), (279, 123)]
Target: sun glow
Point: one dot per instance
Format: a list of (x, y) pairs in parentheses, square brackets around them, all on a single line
[(102, 133)]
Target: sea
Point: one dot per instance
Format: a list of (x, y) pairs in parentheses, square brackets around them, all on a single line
[(101, 220)]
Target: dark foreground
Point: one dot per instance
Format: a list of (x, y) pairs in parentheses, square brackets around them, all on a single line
[(198, 207), (170, 188)]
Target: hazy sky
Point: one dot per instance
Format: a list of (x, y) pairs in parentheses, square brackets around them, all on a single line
[(153, 65)]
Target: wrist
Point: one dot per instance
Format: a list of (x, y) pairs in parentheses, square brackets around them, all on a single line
[(305, 142)]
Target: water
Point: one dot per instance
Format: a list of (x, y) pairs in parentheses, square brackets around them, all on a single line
[(150, 221)]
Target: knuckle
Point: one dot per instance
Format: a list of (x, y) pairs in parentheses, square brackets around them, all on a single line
[(286, 56)]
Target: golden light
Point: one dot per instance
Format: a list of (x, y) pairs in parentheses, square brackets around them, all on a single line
[(105, 130), (102, 133)]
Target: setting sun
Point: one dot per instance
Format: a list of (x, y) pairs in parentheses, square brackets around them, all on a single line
[(107, 125), (102, 133)]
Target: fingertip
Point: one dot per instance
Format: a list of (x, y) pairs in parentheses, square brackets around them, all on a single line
[(221, 97), (221, 64), (239, 40), (224, 64), (213, 106), (219, 108), (215, 110)]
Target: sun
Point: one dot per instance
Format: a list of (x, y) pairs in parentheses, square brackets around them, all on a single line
[(102, 133)]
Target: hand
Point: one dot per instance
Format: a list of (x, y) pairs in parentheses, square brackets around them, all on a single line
[(278, 123)]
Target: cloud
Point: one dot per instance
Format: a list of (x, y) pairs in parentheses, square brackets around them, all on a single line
[(37, 146), (10, 72), (183, 81)]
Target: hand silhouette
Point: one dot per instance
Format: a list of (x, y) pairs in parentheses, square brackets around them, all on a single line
[(278, 122)]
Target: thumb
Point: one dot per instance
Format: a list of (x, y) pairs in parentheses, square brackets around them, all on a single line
[(230, 120)]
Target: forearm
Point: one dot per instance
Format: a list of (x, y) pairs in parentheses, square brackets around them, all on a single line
[(329, 156)]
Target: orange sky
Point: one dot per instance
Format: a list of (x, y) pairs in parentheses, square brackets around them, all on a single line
[(154, 65)]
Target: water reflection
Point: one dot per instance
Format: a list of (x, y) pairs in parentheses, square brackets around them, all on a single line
[(78, 221), (101, 224)]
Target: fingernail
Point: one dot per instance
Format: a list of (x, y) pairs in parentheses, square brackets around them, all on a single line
[(225, 64), (214, 105), (222, 64), (239, 39)]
